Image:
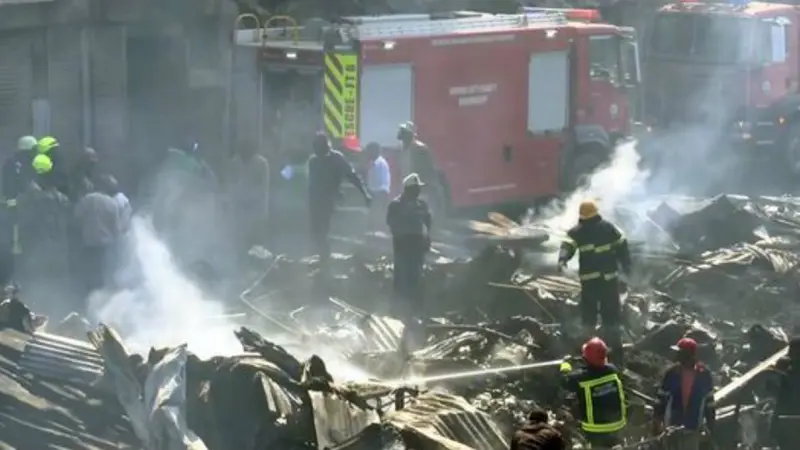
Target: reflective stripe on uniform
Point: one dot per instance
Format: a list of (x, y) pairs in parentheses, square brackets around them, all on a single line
[(601, 248), (589, 425), (596, 275)]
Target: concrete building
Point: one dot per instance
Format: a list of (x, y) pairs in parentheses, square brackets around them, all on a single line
[(127, 77)]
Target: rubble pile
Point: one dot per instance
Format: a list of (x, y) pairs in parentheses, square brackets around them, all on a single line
[(722, 270)]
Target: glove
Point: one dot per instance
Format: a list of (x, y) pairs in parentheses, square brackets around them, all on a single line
[(565, 367)]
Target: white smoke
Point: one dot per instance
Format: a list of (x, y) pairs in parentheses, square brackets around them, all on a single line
[(619, 181), (166, 308)]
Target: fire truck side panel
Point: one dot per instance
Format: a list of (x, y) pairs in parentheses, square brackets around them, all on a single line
[(470, 109)]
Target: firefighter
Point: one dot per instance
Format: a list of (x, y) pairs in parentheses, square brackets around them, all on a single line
[(686, 397), (786, 416), (409, 220), (17, 173), (537, 434), (50, 146), (326, 170), (600, 397), (416, 155), (44, 218), (603, 250)]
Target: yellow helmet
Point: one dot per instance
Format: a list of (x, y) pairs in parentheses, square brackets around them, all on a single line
[(47, 143), (587, 210), (42, 164)]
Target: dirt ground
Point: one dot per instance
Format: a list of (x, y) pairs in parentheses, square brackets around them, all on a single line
[(41, 415)]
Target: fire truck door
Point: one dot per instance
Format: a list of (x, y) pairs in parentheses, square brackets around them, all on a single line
[(607, 106), (547, 118)]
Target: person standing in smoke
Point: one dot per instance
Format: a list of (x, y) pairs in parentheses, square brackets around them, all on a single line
[(98, 217), (603, 251), (379, 180), (44, 216), (327, 168), (248, 193), (409, 220), (84, 176), (17, 175)]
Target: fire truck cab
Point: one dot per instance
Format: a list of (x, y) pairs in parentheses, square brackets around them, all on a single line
[(514, 107), (732, 66)]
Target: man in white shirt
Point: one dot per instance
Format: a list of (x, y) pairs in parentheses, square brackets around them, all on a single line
[(379, 182)]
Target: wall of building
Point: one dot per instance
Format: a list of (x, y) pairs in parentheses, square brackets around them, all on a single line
[(64, 69)]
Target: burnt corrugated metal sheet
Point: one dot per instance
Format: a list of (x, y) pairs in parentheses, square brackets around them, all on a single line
[(448, 422), (382, 334), (337, 420), (55, 357)]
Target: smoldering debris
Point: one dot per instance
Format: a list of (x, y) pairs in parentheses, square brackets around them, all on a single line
[(723, 271)]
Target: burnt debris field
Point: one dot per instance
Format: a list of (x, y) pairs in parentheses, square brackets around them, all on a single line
[(723, 271)]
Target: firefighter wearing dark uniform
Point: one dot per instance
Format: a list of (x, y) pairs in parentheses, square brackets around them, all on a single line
[(327, 168), (600, 397), (602, 250), (17, 174)]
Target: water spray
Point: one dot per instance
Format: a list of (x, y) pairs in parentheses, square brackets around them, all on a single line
[(462, 375)]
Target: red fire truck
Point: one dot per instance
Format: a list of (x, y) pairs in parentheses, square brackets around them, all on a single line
[(513, 106), (733, 66)]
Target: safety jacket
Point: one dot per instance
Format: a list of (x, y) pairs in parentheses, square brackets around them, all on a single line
[(600, 398), (601, 247), (690, 414)]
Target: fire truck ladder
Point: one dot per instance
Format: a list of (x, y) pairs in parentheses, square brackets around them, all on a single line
[(426, 26)]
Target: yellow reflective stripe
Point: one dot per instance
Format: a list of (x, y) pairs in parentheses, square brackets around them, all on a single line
[(586, 248), (589, 425), (340, 94)]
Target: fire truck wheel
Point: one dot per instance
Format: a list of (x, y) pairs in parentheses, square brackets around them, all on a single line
[(587, 159), (793, 148)]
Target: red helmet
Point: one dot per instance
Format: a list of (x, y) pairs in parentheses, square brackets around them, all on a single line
[(595, 352), (688, 345), (351, 143)]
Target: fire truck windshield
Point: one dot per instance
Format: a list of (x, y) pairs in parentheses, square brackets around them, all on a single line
[(707, 37)]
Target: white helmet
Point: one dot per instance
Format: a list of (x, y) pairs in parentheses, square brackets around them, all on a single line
[(27, 143)]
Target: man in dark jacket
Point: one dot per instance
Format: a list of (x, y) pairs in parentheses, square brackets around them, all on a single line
[(409, 220), (603, 250), (327, 168), (785, 423), (17, 174), (537, 434), (599, 395), (686, 397)]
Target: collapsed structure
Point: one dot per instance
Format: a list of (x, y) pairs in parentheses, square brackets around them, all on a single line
[(731, 288)]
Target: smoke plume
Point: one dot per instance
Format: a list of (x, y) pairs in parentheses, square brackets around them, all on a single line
[(165, 308)]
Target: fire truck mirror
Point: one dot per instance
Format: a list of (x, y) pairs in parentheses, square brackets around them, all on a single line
[(508, 153)]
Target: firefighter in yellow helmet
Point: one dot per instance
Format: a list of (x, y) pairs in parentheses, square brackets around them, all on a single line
[(603, 251), (50, 147), (44, 215)]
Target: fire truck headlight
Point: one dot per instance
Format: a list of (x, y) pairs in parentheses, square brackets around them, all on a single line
[(781, 120), (291, 55), (388, 45)]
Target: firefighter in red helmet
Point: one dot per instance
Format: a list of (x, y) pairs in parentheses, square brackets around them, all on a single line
[(599, 396)]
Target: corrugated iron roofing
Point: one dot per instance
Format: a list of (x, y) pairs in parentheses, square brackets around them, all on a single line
[(449, 422), (55, 357)]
